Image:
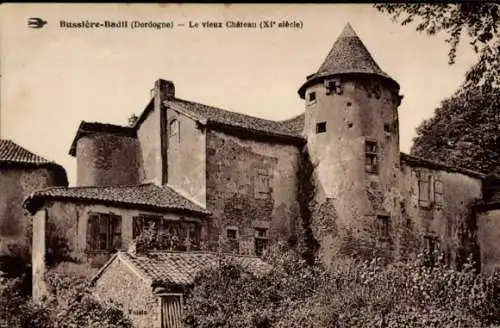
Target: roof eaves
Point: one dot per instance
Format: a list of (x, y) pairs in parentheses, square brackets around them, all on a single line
[(37, 199), (249, 133), (197, 118), (418, 161)]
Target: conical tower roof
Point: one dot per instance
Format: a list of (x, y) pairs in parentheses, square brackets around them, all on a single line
[(347, 56)]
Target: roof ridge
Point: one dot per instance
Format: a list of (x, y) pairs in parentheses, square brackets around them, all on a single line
[(225, 110)]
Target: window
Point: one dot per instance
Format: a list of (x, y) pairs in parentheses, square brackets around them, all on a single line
[(232, 233), (333, 86), (143, 222), (185, 233), (260, 241), (382, 224), (174, 129), (103, 232), (232, 238), (424, 189), (438, 193), (312, 96), (262, 184), (431, 248), (387, 129), (371, 158), (321, 127)]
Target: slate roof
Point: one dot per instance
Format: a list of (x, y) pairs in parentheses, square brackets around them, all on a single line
[(151, 196), (87, 128), (180, 268), (10, 152), (347, 56), (221, 118)]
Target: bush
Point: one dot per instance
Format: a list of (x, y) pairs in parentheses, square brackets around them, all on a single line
[(349, 294), (70, 303)]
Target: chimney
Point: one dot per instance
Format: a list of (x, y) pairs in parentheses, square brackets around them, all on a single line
[(166, 89)]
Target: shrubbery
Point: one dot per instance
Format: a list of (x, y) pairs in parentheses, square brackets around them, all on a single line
[(350, 294), (69, 303)]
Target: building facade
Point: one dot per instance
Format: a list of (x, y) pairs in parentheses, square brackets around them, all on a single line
[(230, 180), (21, 173)]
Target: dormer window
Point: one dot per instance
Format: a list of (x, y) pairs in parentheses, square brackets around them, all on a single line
[(311, 97)]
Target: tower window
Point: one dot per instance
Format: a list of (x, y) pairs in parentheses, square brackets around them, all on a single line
[(387, 127), (312, 96), (371, 157), (321, 127)]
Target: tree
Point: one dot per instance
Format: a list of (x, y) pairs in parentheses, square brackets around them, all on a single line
[(481, 22), (463, 131)]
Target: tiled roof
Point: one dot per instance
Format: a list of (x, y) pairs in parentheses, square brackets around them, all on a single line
[(143, 196), (347, 56), (180, 268), (13, 153), (86, 128), (414, 161), (213, 116)]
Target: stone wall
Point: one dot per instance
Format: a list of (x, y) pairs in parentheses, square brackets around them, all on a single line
[(131, 292), (69, 221), (350, 200), (251, 185), (105, 159), (15, 184), (446, 217), (488, 236), (149, 136), (186, 156)]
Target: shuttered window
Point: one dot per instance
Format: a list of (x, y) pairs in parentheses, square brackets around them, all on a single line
[(262, 185), (438, 193), (424, 189), (188, 233), (104, 232)]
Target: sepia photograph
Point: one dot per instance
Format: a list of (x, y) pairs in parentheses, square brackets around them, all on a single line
[(250, 165)]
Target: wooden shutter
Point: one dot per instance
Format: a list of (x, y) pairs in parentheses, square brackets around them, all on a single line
[(92, 231), (438, 192), (137, 226), (171, 312), (115, 231)]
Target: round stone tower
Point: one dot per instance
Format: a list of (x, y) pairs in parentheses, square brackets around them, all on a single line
[(351, 125)]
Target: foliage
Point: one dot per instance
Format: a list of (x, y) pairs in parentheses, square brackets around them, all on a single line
[(463, 131), (307, 243), (70, 303), (154, 239), (480, 20), (349, 294)]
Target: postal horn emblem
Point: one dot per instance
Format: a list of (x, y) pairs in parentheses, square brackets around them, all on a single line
[(36, 22)]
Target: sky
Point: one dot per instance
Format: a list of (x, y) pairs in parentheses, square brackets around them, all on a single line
[(52, 78)]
